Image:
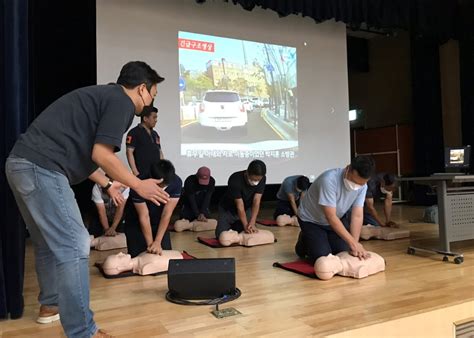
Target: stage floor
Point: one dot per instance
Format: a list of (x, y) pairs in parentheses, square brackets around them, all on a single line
[(273, 301)]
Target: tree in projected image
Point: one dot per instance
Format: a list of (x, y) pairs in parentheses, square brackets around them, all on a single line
[(282, 73)]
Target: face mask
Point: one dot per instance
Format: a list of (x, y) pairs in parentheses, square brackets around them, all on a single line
[(145, 106), (254, 183), (351, 185)]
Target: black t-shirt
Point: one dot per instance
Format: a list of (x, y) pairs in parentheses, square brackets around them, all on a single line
[(62, 136), (146, 147), (373, 187), (238, 187), (154, 211), (193, 189)]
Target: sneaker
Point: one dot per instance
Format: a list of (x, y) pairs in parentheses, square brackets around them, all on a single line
[(48, 314), (101, 334)]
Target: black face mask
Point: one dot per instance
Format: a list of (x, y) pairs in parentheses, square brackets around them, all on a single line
[(145, 108)]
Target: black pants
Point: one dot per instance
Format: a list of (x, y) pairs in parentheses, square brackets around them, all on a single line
[(136, 243), (188, 213), (282, 208), (229, 220), (317, 240)]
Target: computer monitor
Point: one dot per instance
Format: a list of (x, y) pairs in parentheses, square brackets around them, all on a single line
[(457, 159)]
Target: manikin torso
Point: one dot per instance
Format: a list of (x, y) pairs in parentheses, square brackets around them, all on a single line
[(284, 219), (370, 231), (143, 264), (184, 224), (118, 241), (344, 264), (230, 237)]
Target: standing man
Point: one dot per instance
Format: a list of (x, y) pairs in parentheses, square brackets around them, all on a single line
[(197, 193), (239, 206), (65, 145), (325, 227), (380, 185), (289, 195), (143, 143)]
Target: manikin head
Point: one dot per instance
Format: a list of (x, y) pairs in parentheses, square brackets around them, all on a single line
[(326, 267), (139, 81), (255, 172), (149, 117), (358, 172), (227, 238), (115, 264)]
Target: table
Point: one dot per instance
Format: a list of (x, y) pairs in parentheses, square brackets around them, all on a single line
[(455, 212)]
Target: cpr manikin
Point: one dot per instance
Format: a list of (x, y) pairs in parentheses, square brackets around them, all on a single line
[(285, 219), (103, 243), (143, 264), (229, 237), (378, 232), (344, 264), (184, 224)]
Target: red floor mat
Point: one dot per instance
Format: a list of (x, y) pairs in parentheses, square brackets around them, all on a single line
[(300, 266)]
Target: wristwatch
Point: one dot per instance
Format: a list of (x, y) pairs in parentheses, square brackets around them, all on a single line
[(108, 185)]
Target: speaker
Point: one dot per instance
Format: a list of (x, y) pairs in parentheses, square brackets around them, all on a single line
[(201, 278)]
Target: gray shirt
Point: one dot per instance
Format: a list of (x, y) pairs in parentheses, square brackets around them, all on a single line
[(329, 190), (288, 186), (62, 136)]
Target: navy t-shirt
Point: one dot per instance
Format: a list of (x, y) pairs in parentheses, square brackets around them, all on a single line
[(146, 147), (154, 211), (238, 187), (62, 136)]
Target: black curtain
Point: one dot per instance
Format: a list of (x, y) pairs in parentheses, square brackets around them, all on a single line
[(49, 49), (431, 18), (427, 109), (14, 118), (466, 70)]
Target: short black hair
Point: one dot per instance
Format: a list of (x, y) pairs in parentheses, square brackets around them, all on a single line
[(364, 165), (302, 183), (257, 168), (389, 179), (162, 169), (147, 111), (134, 73)]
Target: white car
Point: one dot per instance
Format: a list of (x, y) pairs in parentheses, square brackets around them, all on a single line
[(248, 105), (223, 110)]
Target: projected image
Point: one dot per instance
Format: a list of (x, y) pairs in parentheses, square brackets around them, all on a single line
[(237, 98), (456, 156)]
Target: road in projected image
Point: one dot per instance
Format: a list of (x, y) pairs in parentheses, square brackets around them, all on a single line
[(237, 98)]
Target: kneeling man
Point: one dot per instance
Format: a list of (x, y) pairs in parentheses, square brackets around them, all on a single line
[(239, 207), (147, 224)]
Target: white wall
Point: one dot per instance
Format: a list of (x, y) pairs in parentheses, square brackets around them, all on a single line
[(147, 30)]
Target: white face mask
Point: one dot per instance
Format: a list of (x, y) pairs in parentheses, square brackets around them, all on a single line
[(351, 185), (254, 183)]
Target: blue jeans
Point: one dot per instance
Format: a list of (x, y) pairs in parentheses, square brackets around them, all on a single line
[(60, 240)]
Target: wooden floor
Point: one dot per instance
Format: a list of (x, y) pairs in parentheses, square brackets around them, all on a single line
[(273, 301)]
